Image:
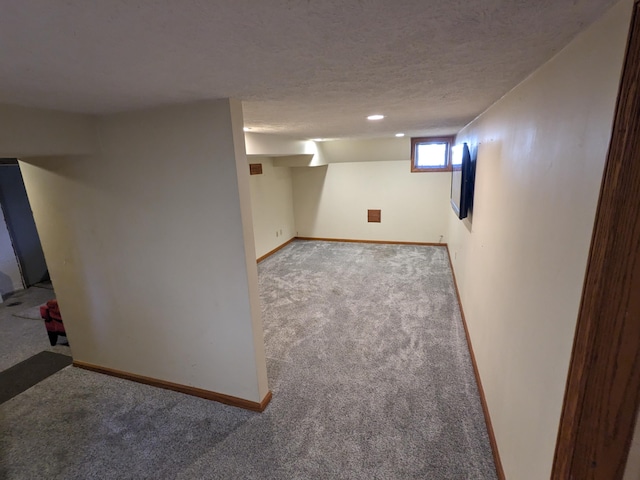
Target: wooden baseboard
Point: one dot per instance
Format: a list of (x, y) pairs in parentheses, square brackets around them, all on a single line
[(380, 242), (176, 387), (483, 399), (266, 255)]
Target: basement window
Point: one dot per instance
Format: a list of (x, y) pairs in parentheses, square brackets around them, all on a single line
[(431, 154)]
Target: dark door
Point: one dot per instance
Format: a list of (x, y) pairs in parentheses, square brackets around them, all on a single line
[(22, 228)]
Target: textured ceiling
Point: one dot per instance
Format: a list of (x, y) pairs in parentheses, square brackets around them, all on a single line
[(302, 68)]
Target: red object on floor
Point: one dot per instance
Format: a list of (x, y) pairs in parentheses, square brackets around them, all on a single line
[(52, 320)]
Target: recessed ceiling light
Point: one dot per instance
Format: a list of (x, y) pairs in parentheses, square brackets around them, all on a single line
[(375, 117), (399, 134), (246, 129)]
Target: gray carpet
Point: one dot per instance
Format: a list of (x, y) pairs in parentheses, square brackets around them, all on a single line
[(21, 338), (32, 313), (367, 362)]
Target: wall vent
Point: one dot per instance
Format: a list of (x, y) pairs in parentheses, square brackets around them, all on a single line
[(255, 169), (373, 216)]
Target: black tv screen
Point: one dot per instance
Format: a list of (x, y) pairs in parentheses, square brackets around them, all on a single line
[(462, 180)]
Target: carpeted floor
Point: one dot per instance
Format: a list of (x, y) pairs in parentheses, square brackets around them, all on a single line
[(369, 368), (32, 313), (21, 334)]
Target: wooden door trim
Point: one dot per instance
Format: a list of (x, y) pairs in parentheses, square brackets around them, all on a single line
[(603, 386)]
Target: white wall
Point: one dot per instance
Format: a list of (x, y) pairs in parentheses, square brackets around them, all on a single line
[(272, 206), (150, 248), (365, 150), (257, 356), (263, 144), (332, 202), (10, 277), (520, 269), (26, 132), (632, 469)]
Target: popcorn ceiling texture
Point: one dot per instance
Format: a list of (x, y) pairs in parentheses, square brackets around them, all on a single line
[(302, 68)]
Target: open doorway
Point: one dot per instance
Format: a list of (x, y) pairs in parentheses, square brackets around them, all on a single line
[(25, 285), (21, 226)]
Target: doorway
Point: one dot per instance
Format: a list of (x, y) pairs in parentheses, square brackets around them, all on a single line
[(21, 225)]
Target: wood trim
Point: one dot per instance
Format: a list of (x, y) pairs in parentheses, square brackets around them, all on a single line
[(602, 395), (176, 387), (255, 169), (379, 242), (483, 399), (449, 140), (268, 254), (432, 170)]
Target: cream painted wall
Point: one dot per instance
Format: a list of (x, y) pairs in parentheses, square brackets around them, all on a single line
[(263, 144), (332, 202), (147, 248), (366, 150), (520, 264), (249, 248), (10, 277), (272, 206), (632, 469), (27, 132)]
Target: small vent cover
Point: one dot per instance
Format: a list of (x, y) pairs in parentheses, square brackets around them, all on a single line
[(373, 216)]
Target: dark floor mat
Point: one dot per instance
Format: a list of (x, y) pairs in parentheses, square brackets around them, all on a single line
[(27, 373)]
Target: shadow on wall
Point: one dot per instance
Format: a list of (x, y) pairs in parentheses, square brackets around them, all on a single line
[(308, 184), (490, 153), (473, 150), (6, 286), (83, 295)]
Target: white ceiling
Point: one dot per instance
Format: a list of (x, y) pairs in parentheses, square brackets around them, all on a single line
[(304, 68)]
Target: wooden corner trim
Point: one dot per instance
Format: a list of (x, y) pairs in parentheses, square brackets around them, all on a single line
[(449, 140), (601, 400), (483, 399), (176, 387), (379, 242), (268, 254)]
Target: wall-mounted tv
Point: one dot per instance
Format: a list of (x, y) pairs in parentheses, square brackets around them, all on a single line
[(462, 179)]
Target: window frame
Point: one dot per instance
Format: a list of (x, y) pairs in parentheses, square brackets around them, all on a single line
[(415, 141)]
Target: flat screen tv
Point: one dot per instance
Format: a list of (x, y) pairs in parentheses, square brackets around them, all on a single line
[(462, 180)]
